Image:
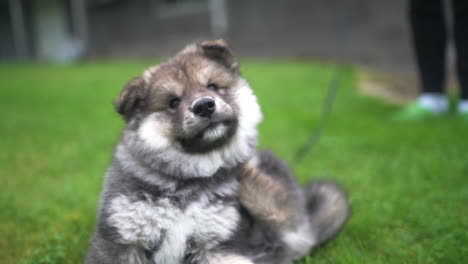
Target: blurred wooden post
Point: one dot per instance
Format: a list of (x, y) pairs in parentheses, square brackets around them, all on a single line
[(80, 23), (218, 17), (19, 29), (54, 41)]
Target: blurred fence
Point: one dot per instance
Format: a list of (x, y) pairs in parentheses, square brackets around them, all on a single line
[(63, 30)]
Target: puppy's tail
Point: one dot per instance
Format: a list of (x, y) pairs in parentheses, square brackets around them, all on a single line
[(328, 210)]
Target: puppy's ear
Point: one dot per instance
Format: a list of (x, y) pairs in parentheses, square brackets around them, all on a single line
[(130, 98), (219, 50)]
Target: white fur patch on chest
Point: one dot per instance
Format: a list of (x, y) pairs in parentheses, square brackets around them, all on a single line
[(144, 222)]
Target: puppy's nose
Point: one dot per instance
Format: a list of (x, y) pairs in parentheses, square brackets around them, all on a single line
[(204, 107)]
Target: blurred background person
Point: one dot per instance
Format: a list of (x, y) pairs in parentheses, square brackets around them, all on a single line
[(429, 28)]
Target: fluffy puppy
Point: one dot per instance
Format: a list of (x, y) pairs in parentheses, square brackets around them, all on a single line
[(186, 184)]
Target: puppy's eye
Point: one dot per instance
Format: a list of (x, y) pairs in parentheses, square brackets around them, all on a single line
[(212, 86), (174, 103)]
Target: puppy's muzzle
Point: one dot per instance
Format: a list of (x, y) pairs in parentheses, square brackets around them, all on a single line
[(204, 107)]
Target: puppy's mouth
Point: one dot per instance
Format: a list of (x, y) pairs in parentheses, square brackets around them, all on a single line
[(212, 136), (213, 131)]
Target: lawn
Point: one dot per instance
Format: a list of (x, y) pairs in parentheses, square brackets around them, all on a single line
[(407, 182)]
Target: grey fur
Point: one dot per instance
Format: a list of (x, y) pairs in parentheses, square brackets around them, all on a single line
[(223, 203)]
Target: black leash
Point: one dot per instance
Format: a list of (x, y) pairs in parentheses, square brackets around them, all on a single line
[(333, 86)]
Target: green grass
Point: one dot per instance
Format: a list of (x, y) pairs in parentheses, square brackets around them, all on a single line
[(407, 182)]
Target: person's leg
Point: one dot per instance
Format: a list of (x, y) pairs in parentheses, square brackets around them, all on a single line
[(460, 12), (429, 35)]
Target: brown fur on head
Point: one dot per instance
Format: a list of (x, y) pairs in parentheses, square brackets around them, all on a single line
[(207, 71), (192, 58)]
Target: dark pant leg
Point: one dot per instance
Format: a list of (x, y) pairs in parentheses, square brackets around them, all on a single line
[(460, 12), (429, 39)]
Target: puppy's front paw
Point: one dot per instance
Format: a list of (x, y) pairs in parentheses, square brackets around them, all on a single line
[(265, 198)]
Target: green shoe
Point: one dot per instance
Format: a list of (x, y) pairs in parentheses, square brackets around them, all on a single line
[(414, 112), (463, 115)]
